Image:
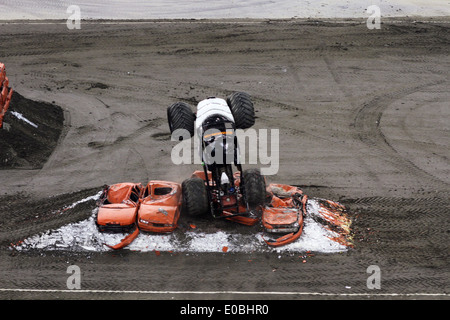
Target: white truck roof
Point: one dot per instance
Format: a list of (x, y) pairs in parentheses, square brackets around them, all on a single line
[(209, 107)]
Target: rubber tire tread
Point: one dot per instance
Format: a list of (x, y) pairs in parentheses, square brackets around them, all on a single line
[(180, 116), (195, 197), (241, 106), (255, 187)]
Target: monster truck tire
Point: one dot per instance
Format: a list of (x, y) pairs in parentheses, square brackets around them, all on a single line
[(195, 198), (180, 116), (255, 187), (242, 109)]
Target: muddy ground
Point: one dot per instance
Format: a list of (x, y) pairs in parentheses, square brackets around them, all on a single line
[(363, 117), (31, 133)]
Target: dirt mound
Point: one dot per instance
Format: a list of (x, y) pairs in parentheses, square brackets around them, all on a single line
[(30, 133)]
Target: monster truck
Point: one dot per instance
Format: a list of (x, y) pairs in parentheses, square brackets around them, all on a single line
[(218, 189)]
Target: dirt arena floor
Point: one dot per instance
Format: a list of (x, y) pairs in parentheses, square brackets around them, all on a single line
[(363, 117)]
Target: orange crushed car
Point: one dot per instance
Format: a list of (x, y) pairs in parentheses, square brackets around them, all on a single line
[(118, 207), (284, 213), (5, 93), (160, 206), (129, 207)]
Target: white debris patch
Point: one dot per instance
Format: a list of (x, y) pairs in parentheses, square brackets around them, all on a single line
[(81, 236), (73, 205), (21, 117), (94, 197), (315, 238), (209, 242), (84, 236)]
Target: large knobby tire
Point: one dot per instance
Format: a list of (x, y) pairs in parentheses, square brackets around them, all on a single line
[(180, 116), (241, 106), (255, 188), (195, 197)]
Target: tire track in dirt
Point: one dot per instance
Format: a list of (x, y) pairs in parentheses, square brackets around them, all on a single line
[(367, 127), (387, 227), (348, 99), (109, 143), (128, 139)]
